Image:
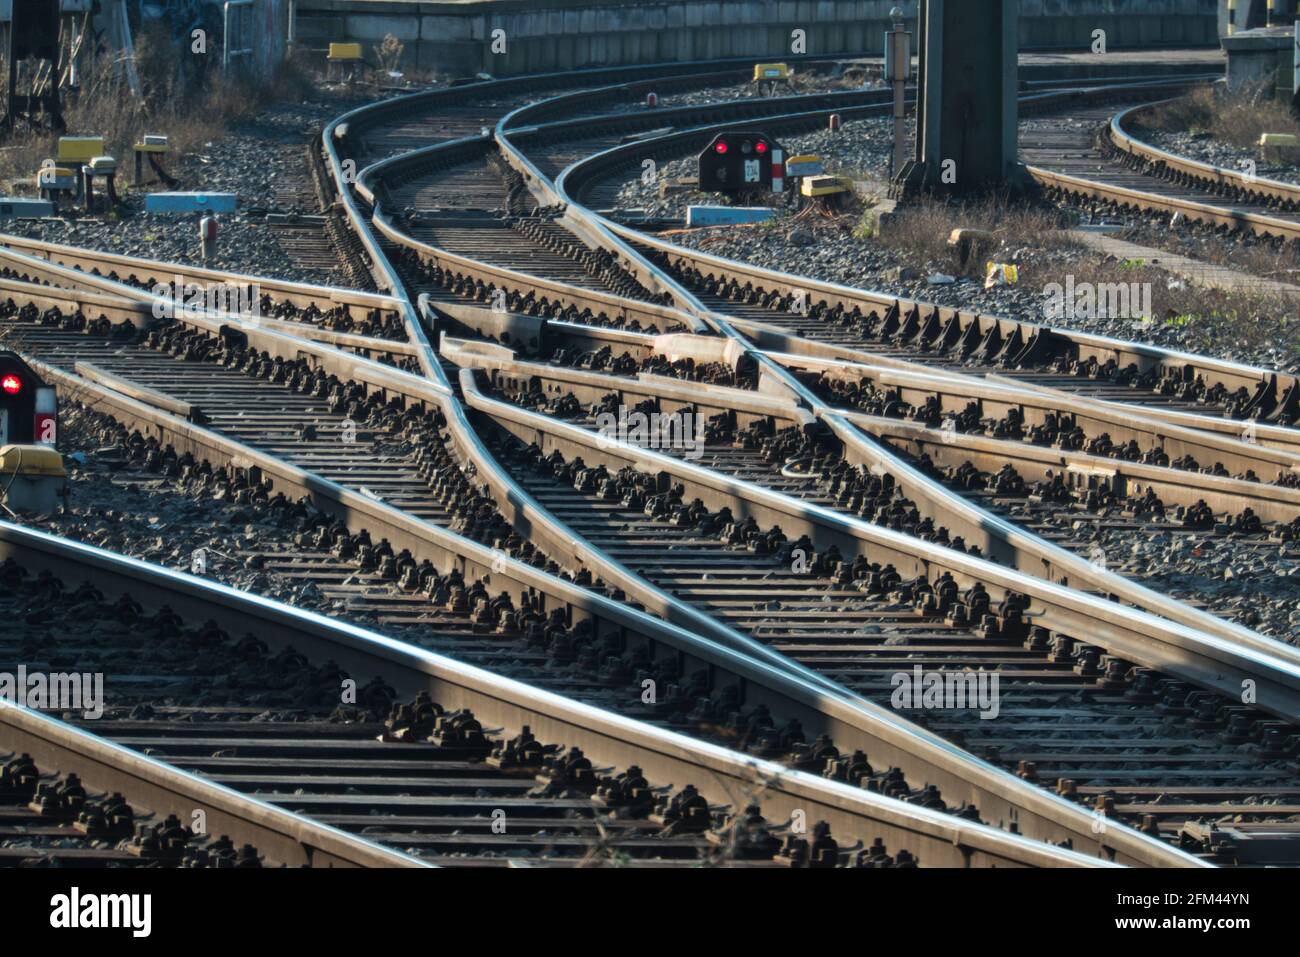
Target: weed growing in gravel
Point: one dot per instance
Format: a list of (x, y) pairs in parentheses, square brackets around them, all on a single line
[(1201, 319), (1237, 117), (181, 95), (921, 232)]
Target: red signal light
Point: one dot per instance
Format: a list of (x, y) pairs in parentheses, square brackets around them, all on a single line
[(11, 384), (761, 147), (720, 148)]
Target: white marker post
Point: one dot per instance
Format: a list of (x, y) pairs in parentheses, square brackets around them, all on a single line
[(208, 237)]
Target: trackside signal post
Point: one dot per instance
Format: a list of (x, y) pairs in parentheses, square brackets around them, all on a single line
[(966, 103), (898, 70)]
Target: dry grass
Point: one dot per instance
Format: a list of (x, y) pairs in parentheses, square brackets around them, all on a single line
[(191, 108), (1207, 320), (1213, 321), (921, 232), (1237, 118), (1264, 258)]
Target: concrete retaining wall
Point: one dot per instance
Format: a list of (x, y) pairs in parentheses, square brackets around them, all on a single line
[(549, 35)]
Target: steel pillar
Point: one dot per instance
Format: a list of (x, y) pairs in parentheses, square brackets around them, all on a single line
[(966, 105), (33, 36)]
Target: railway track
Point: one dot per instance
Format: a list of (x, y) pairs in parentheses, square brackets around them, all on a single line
[(422, 756), (783, 698), (1098, 156), (1062, 695), (994, 345), (572, 272)]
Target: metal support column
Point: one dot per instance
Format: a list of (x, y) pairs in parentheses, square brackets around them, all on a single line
[(898, 70), (237, 32), (967, 111), (33, 36)]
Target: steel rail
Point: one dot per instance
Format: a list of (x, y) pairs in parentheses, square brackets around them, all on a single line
[(600, 302), (116, 308), (1255, 188), (614, 306), (1142, 201), (1272, 503), (1101, 348), (1084, 569), (347, 125), (749, 404), (520, 509), (517, 506), (1213, 623), (72, 289), (1163, 164), (851, 437), (524, 513)]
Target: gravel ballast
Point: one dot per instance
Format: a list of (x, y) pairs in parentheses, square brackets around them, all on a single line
[(257, 161)]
